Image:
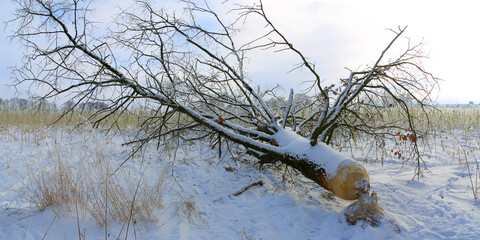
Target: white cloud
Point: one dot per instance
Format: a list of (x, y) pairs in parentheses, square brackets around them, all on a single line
[(340, 33)]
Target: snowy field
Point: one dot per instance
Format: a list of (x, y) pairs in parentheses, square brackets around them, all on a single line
[(190, 192)]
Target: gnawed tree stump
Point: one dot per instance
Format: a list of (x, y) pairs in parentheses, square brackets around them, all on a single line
[(366, 209), (341, 175)]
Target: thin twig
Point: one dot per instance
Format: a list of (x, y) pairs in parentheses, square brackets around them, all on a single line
[(260, 183), (51, 223)]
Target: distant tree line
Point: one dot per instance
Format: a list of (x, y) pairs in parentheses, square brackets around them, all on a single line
[(44, 105)]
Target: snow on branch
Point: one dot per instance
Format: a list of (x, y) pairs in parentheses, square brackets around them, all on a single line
[(188, 71)]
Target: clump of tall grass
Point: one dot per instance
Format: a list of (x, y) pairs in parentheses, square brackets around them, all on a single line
[(187, 206), (86, 184), (95, 189)]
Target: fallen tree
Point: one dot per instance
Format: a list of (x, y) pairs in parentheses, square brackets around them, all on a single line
[(188, 69)]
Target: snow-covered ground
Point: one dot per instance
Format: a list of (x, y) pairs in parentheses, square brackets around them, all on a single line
[(198, 201)]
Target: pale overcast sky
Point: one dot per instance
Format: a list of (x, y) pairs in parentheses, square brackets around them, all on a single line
[(339, 34)]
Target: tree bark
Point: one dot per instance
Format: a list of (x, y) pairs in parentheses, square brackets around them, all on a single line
[(320, 163)]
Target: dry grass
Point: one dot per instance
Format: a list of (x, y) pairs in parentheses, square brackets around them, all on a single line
[(186, 205), (89, 185), (31, 120), (462, 126), (83, 184), (245, 235)]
